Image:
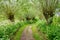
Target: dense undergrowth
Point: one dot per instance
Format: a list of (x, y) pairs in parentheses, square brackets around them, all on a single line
[(51, 31), (29, 12), (8, 29)]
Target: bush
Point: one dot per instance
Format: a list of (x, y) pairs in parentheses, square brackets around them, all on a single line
[(52, 31), (8, 30)]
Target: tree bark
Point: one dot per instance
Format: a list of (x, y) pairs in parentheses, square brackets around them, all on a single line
[(27, 18), (48, 16), (11, 17)]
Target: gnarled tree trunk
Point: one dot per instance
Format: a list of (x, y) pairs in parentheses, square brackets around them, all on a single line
[(48, 16), (11, 17)]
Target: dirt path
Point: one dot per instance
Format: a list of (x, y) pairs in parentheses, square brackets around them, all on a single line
[(27, 34)]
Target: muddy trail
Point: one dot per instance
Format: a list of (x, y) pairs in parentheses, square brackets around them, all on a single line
[(27, 34)]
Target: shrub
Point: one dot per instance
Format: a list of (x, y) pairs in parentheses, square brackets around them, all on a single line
[(8, 30), (52, 31)]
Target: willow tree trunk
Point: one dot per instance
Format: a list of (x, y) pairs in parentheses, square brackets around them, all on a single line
[(27, 18), (11, 17), (48, 16)]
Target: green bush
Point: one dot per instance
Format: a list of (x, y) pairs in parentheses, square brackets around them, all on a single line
[(8, 30), (52, 31)]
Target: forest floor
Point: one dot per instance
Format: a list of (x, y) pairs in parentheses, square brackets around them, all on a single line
[(27, 34)]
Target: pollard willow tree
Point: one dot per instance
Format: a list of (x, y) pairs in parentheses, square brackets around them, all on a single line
[(48, 8), (9, 7), (28, 9)]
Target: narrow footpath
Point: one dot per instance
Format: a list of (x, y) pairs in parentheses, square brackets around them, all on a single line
[(27, 34)]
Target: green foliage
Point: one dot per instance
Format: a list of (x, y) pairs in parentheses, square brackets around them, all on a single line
[(8, 30), (52, 31), (49, 5), (34, 20), (48, 8), (35, 33), (19, 33), (56, 20), (33, 9)]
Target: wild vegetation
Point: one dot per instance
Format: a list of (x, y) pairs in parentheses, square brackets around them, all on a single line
[(41, 16)]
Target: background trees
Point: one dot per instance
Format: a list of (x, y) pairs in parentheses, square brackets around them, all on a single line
[(28, 9)]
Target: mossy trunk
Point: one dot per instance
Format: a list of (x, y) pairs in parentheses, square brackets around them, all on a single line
[(48, 16)]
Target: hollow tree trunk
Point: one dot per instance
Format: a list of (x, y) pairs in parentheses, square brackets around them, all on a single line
[(27, 18), (11, 17)]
